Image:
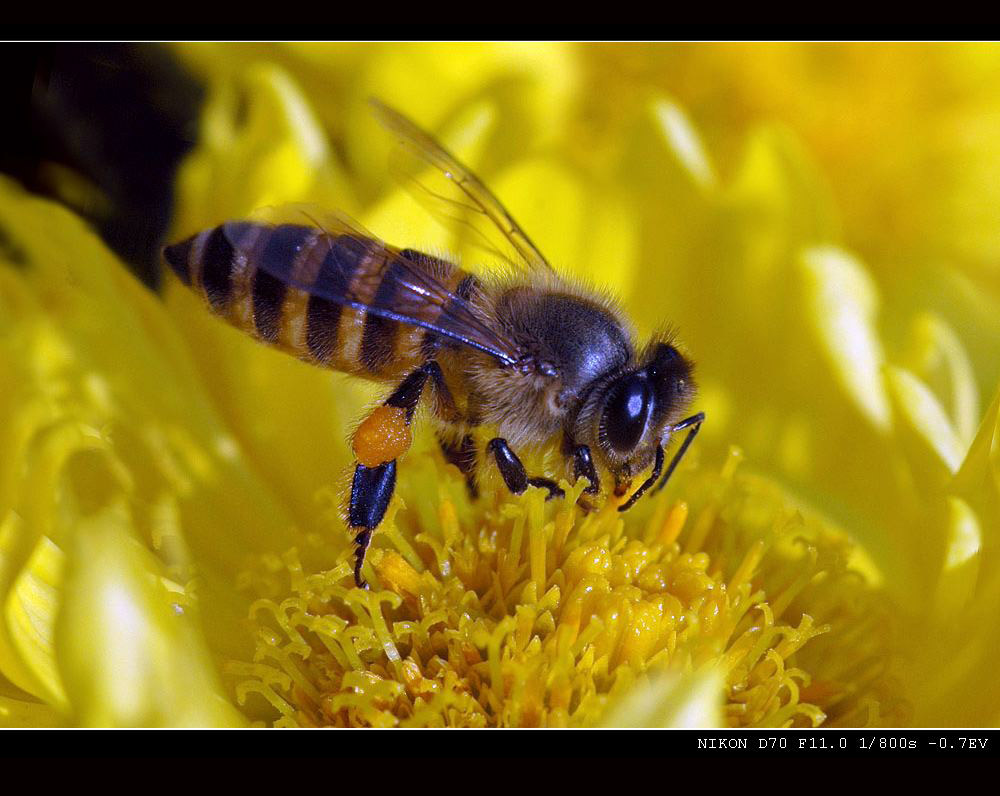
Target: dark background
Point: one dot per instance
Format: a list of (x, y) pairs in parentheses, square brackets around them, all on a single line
[(102, 128)]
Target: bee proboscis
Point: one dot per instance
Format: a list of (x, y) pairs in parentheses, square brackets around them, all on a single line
[(528, 354)]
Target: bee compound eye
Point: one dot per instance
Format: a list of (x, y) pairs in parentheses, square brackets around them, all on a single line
[(626, 412)]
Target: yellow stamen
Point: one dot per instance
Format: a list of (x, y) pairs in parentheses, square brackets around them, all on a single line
[(527, 612)]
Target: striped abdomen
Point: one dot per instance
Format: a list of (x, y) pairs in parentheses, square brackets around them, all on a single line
[(258, 277)]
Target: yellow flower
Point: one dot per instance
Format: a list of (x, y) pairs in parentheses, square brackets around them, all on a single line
[(171, 549)]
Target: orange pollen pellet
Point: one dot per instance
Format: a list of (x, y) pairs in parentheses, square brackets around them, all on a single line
[(383, 436)]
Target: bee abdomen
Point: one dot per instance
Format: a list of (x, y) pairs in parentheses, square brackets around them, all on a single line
[(278, 282), (247, 272), (322, 326)]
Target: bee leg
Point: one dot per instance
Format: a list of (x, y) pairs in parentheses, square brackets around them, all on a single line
[(371, 493), (380, 440), (513, 472), (694, 423), (583, 465), (463, 456), (657, 469)]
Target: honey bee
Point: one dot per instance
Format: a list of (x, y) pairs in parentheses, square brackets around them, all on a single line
[(526, 355)]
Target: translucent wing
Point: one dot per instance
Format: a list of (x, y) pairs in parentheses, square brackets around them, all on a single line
[(332, 257), (455, 192)]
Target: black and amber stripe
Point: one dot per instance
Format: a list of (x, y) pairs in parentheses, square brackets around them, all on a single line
[(266, 280)]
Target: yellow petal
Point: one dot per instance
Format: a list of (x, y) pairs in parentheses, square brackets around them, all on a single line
[(779, 182), (29, 615), (843, 302), (25, 713), (260, 145), (961, 563), (424, 215), (583, 228), (128, 652), (923, 423), (684, 142), (938, 358), (979, 479), (532, 84), (690, 701)]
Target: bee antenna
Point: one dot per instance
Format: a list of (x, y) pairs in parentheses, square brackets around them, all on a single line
[(694, 423)]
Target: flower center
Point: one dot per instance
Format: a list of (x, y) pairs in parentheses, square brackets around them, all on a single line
[(518, 612)]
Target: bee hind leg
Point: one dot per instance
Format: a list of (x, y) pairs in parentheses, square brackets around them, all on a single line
[(513, 472), (371, 493), (379, 441)]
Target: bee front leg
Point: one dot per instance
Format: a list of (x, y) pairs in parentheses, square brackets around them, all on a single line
[(583, 465), (380, 440), (513, 472), (694, 423)]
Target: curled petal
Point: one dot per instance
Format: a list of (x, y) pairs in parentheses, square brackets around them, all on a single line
[(843, 303), (924, 421), (128, 651)]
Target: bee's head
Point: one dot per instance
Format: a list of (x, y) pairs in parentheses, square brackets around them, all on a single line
[(633, 411)]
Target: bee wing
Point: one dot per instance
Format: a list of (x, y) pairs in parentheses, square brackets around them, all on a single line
[(454, 192), (350, 266)]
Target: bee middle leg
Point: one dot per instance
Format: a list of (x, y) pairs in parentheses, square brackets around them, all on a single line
[(513, 472), (463, 456), (379, 441)]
